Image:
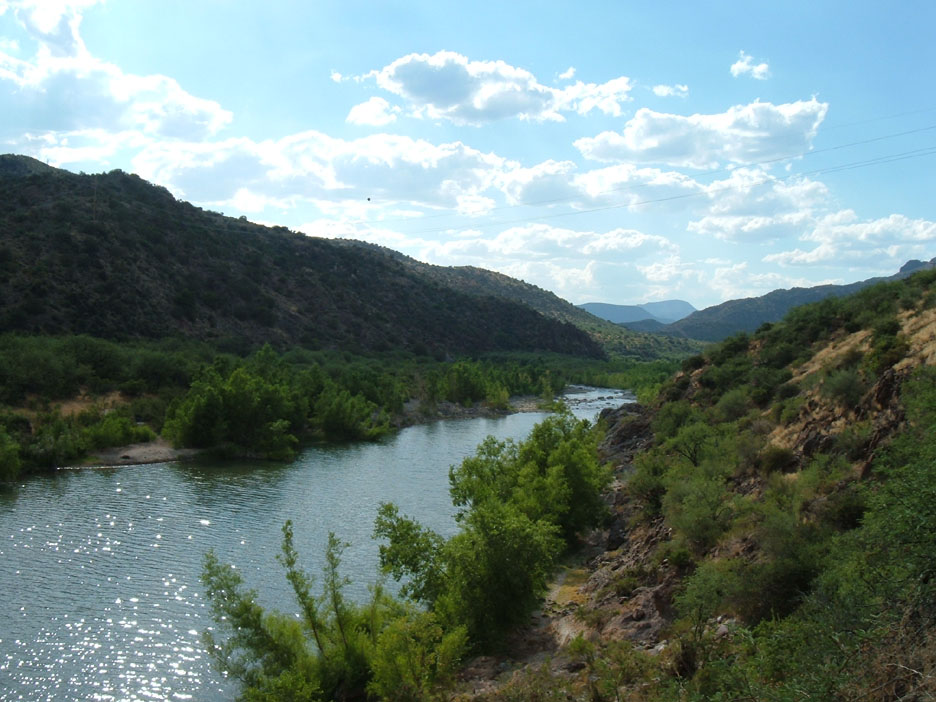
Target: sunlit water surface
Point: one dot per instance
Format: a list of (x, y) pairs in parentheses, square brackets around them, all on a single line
[(100, 568)]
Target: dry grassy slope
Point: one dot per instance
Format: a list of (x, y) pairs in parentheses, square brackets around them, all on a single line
[(820, 419)]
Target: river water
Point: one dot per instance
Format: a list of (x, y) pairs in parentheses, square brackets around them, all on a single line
[(99, 568)]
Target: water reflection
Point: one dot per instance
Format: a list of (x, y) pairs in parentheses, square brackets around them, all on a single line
[(100, 567)]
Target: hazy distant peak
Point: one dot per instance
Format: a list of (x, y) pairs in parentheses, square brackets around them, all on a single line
[(664, 311)]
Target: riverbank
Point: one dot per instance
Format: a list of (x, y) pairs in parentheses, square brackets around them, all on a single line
[(161, 451), (414, 413), (157, 451)]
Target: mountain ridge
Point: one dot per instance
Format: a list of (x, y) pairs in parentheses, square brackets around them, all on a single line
[(747, 314), (114, 256)]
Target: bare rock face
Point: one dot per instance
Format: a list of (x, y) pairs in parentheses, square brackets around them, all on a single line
[(628, 434)]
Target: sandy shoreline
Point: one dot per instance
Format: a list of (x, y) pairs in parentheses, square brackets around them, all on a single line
[(157, 451)]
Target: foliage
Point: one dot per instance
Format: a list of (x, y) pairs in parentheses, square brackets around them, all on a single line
[(164, 268), (521, 502), (9, 457), (476, 585)]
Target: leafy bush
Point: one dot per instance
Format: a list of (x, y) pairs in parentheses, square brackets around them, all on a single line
[(734, 404), (777, 459), (518, 501), (844, 387), (9, 457)]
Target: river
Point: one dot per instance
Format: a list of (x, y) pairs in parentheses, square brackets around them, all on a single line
[(100, 567)]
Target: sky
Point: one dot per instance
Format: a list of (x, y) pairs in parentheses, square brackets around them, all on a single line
[(620, 152)]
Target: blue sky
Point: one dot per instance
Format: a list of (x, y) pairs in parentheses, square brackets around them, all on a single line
[(618, 152)]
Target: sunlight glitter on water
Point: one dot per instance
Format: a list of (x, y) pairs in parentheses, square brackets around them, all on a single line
[(100, 568)]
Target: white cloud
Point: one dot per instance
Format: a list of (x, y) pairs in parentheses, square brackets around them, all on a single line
[(54, 23), (376, 112), (567, 74), (671, 90), (312, 166), (880, 244), (669, 269), (336, 77), (474, 205), (447, 85), (557, 182), (745, 66), (752, 205), (542, 241), (744, 134), (736, 281), (63, 88)]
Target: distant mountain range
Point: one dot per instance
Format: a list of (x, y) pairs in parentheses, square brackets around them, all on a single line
[(114, 256), (721, 321), (663, 312)]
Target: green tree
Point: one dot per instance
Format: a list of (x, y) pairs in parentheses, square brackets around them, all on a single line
[(9, 457)]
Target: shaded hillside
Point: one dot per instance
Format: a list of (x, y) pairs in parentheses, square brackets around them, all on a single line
[(480, 282), (720, 321), (114, 256)]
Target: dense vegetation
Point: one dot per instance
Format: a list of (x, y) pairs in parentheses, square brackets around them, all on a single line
[(822, 582), (263, 404), (521, 505), (113, 256)]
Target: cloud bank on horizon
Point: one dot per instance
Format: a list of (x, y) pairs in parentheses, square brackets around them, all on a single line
[(599, 170)]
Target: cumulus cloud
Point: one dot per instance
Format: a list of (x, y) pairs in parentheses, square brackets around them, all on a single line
[(878, 244), (752, 205), (376, 112), (447, 85), (567, 74), (671, 90), (744, 134), (63, 88), (626, 185), (542, 241), (745, 66), (312, 166), (737, 281), (54, 23), (667, 270)]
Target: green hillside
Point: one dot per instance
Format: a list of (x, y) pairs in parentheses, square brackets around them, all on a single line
[(614, 338), (113, 256)]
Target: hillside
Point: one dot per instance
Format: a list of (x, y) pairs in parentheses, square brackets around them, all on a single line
[(773, 526), (720, 321), (480, 282), (113, 256)]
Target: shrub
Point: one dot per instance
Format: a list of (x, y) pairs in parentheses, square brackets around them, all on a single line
[(671, 417), (9, 457), (844, 386), (777, 458), (734, 404)]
